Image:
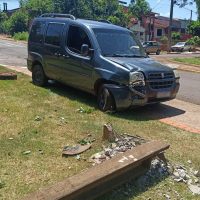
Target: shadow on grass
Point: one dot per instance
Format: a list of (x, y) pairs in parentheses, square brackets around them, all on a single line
[(132, 189), (145, 113)]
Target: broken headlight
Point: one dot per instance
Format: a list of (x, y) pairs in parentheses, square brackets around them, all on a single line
[(136, 78), (176, 75)]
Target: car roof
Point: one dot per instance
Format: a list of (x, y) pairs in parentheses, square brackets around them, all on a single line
[(85, 22)]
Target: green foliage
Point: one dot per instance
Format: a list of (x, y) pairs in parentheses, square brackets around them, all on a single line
[(37, 7), (17, 22), (194, 41), (94, 9), (176, 36), (194, 28), (164, 39), (3, 18), (139, 7), (21, 36)]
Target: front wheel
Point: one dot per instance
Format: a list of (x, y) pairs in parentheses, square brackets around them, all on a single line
[(105, 100), (38, 76)]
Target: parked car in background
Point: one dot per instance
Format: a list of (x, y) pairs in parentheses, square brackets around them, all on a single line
[(100, 58), (181, 46), (152, 47)]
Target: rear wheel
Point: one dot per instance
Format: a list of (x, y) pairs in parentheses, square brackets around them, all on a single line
[(158, 52), (38, 76), (105, 99)]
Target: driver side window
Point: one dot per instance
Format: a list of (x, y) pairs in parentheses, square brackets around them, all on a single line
[(76, 38)]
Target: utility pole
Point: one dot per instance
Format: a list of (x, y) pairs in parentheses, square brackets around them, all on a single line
[(191, 15), (170, 25)]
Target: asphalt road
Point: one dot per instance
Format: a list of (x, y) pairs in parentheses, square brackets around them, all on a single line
[(15, 54)]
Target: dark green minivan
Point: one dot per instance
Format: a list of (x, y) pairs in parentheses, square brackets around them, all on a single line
[(100, 58)]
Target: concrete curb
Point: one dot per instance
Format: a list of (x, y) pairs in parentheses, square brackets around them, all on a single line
[(186, 67)]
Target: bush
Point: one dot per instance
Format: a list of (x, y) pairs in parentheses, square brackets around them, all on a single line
[(21, 36), (194, 41), (18, 22), (176, 36), (194, 28), (164, 40), (3, 18)]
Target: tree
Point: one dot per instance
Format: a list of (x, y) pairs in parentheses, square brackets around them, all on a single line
[(36, 7), (18, 22), (3, 18), (139, 7), (194, 28)]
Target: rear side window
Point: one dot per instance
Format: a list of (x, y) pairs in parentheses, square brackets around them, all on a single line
[(36, 34), (53, 34), (76, 38)]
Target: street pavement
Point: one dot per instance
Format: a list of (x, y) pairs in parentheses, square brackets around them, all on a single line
[(13, 53), (183, 112)]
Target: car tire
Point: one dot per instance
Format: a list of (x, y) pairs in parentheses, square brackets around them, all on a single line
[(105, 99), (38, 76), (158, 52)]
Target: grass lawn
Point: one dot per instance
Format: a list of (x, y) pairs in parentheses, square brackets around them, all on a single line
[(194, 61), (61, 124)]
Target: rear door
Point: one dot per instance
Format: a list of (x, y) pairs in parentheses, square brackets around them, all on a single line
[(53, 50)]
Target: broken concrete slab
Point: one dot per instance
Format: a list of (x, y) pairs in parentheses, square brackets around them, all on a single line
[(75, 150), (101, 178), (8, 76)]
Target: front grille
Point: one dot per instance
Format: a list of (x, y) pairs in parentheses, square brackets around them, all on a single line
[(161, 84), (160, 75), (161, 80)]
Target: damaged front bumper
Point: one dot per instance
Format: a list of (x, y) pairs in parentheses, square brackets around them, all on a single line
[(128, 96)]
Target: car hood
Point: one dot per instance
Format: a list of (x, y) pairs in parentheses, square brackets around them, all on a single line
[(178, 46), (140, 64)]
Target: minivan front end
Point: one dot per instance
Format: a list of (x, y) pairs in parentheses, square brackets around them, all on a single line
[(148, 88)]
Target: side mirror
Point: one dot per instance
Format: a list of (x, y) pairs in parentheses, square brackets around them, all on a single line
[(84, 50)]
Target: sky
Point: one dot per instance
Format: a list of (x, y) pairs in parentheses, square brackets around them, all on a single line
[(159, 6)]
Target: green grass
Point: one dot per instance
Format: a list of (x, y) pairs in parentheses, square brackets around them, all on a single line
[(21, 102), (21, 36), (194, 61)]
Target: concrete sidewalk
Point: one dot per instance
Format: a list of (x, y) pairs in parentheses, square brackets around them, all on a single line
[(189, 120), (176, 113)]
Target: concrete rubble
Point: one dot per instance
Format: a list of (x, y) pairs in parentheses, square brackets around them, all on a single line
[(159, 168)]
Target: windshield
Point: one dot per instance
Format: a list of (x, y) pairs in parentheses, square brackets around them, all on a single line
[(118, 43), (180, 43)]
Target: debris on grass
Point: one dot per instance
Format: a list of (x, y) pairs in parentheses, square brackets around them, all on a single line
[(118, 144), (8, 76), (75, 150), (38, 118), (159, 168), (78, 157), (26, 152), (85, 110)]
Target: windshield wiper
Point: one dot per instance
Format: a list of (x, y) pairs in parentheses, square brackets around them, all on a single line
[(114, 55), (125, 55), (135, 56)]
